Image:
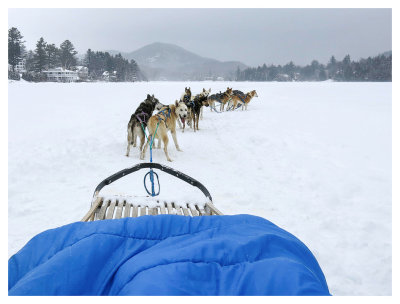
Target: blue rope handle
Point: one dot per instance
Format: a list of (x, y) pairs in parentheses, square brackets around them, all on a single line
[(152, 173)]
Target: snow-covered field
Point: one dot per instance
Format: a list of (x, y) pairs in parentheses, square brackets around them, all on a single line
[(313, 158)]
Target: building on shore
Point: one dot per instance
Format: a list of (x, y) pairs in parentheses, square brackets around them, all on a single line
[(61, 75)]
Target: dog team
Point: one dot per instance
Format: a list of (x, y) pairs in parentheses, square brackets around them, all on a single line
[(188, 109)]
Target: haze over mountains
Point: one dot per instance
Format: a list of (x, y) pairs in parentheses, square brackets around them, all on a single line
[(163, 61)]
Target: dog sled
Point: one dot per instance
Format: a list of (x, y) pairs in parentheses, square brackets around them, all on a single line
[(116, 207), (196, 253)]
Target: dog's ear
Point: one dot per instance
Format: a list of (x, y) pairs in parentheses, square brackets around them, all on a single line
[(176, 103), (152, 96), (148, 96)]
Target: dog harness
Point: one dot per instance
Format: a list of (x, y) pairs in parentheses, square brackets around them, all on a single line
[(162, 116), (143, 119), (240, 94), (217, 97), (186, 98)]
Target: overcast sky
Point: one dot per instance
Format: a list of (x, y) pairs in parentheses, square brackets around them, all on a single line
[(252, 36)]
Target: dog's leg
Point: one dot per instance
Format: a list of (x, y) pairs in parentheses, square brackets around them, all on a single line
[(173, 132), (133, 135), (197, 121), (128, 148), (142, 155), (201, 113), (158, 142), (129, 139), (142, 138), (190, 113), (165, 141), (193, 118)]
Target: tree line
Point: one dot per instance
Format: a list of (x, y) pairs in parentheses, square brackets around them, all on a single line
[(378, 68), (47, 56), (117, 68)]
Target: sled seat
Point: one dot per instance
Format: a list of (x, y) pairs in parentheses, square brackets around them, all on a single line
[(116, 207), (121, 206)]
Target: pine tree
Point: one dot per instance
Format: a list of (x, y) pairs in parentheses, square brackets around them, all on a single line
[(53, 58), (67, 55), (15, 46), (30, 61), (88, 61), (40, 57), (332, 67), (347, 68)]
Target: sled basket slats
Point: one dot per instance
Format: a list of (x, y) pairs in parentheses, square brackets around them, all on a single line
[(116, 208)]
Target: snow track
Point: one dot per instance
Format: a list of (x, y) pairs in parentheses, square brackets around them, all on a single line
[(313, 158)]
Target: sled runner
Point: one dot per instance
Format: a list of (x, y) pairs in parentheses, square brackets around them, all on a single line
[(115, 207)]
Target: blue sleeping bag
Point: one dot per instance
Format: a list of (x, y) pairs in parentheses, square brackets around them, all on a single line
[(166, 255)]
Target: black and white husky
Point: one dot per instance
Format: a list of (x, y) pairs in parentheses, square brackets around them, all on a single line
[(139, 119)]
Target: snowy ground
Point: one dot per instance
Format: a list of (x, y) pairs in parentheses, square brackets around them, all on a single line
[(314, 158)]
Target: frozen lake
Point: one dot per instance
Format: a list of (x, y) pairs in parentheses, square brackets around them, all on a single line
[(313, 158)]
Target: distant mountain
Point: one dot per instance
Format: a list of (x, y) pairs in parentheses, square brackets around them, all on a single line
[(163, 61)]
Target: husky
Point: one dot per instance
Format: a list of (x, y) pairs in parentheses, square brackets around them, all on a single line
[(201, 110), (222, 98), (240, 99), (185, 97), (139, 120), (166, 121), (195, 106)]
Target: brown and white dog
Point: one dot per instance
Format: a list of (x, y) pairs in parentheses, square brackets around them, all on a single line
[(208, 93), (185, 97), (222, 98), (239, 97), (166, 121)]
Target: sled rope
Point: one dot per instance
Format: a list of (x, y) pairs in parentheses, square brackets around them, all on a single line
[(213, 107), (151, 173)]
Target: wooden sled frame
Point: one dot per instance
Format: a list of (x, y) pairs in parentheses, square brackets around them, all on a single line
[(122, 206)]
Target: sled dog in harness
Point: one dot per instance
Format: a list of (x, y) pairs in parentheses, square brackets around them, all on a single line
[(165, 121), (138, 121)]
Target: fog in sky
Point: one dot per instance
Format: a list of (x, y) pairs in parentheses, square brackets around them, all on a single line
[(252, 36)]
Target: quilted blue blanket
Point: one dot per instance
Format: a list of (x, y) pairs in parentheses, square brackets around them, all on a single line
[(166, 255)]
